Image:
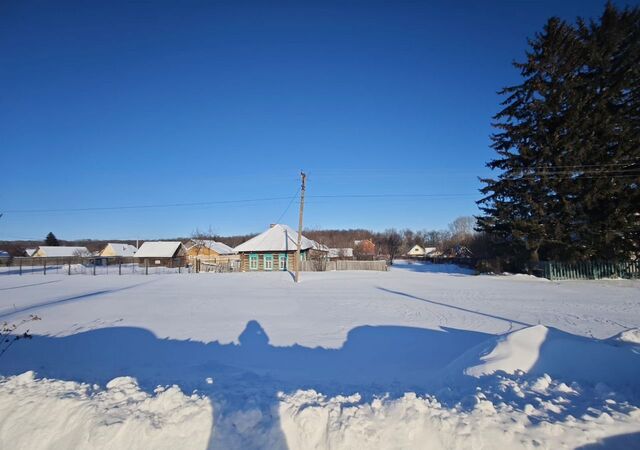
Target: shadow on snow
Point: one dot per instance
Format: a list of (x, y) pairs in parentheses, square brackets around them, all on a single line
[(373, 360), (427, 267)]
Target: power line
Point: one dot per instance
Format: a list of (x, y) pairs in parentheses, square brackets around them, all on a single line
[(160, 205), (288, 206), (390, 195), (221, 202)]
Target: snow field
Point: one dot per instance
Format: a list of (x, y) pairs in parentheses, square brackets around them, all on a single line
[(418, 357)]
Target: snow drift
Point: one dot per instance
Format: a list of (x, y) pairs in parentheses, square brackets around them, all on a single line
[(540, 350), (54, 414), (51, 414)]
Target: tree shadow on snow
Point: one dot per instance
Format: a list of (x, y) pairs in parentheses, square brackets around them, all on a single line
[(458, 308), (617, 442), (427, 267), (69, 299), (249, 375)]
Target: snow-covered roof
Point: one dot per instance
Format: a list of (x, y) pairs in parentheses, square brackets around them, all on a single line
[(278, 238), (218, 247), (30, 251), (4, 254), (158, 249), (340, 252), (122, 249), (60, 251)]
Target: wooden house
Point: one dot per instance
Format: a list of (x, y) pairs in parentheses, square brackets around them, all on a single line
[(118, 250), (46, 251), (211, 253), (275, 249), (161, 253)]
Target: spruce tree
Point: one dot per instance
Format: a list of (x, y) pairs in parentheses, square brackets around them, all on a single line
[(607, 224), (51, 240), (521, 205), (569, 145)]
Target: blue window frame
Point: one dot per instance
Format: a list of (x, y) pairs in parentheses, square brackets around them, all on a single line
[(282, 261), (253, 262), (268, 262)]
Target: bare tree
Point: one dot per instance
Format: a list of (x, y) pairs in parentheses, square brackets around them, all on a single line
[(462, 226), (201, 238), (319, 260), (392, 242), (462, 230)]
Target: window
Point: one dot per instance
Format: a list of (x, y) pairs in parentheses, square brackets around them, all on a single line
[(268, 262), (253, 262), (282, 262)]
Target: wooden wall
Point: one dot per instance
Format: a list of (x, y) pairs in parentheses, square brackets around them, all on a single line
[(244, 260)]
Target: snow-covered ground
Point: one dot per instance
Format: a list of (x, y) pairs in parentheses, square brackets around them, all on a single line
[(422, 356)]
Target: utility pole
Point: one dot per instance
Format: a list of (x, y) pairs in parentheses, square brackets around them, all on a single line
[(298, 256)]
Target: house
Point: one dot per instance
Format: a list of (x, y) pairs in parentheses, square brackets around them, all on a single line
[(4, 255), (365, 248), (458, 251), (161, 253), (421, 252), (30, 251), (340, 253), (118, 249), (45, 251), (275, 249), (210, 251)]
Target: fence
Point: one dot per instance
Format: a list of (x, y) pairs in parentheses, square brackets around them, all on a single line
[(325, 265), (590, 270), (215, 265), (76, 265)]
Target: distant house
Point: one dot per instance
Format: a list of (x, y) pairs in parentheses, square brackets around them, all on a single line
[(419, 252), (416, 251), (458, 251), (118, 249), (45, 251), (4, 255), (210, 251), (430, 251), (30, 251), (161, 253), (275, 249), (365, 247), (340, 253)]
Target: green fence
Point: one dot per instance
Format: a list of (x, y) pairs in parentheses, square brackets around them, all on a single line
[(590, 270)]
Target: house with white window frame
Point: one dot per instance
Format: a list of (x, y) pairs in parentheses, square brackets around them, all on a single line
[(275, 250)]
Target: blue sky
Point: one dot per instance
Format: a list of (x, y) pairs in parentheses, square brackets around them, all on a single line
[(110, 104)]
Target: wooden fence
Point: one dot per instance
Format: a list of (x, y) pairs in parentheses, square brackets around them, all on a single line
[(324, 265), (590, 270), (93, 265)]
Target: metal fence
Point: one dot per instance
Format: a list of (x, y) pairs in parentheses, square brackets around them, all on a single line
[(327, 265), (76, 265), (590, 270)]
